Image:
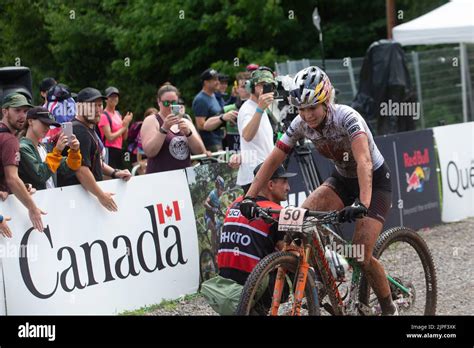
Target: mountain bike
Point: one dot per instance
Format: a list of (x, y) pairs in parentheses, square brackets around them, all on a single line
[(314, 275)]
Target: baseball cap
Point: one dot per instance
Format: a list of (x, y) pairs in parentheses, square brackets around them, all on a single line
[(251, 67), (47, 83), (111, 90), (263, 75), (58, 92), (223, 77), (280, 172), (89, 94), (209, 74), (15, 100), (42, 114)]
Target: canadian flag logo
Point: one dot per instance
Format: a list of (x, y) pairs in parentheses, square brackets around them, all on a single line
[(168, 212)]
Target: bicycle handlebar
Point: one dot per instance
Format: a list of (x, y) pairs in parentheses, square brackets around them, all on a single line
[(322, 216)]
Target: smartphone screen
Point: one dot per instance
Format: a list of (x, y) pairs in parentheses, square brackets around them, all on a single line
[(67, 130), (267, 88), (175, 109)]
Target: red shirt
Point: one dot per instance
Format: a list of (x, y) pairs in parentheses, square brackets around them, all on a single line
[(117, 123), (9, 154), (244, 243)]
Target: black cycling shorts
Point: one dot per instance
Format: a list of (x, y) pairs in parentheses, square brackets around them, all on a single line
[(348, 190)]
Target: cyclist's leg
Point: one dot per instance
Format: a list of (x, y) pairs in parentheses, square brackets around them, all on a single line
[(324, 198), (366, 233)]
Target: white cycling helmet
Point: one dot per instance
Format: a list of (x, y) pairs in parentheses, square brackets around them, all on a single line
[(311, 86)]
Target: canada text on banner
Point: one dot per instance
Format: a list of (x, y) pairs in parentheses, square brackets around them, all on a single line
[(92, 261)]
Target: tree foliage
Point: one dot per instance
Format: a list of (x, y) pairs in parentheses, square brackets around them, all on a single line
[(138, 45)]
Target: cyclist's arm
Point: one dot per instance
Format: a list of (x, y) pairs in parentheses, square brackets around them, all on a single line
[(360, 150), (276, 157)]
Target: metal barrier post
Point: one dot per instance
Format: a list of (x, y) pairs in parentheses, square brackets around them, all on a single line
[(416, 68)]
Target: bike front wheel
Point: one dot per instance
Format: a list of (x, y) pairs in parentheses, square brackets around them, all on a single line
[(411, 273), (258, 290)]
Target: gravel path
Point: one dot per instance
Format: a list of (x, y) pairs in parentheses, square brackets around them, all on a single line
[(451, 246)]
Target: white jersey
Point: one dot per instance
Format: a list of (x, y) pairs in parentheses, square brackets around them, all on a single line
[(343, 125)]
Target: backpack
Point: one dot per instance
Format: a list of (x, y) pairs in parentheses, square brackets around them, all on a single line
[(97, 130), (134, 138)]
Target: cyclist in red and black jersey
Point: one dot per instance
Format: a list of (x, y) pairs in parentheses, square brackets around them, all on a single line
[(360, 183), (242, 242)]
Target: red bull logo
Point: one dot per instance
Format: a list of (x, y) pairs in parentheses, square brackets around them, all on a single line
[(417, 179), (418, 158)]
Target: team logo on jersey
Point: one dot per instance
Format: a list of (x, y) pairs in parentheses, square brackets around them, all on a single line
[(350, 121), (179, 148), (353, 129), (290, 131)]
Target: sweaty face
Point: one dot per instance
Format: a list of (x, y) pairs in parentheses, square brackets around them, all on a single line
[(313, 115), (16, 117), (280, 188)]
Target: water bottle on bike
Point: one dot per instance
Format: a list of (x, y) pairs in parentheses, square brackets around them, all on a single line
[(338, 264)]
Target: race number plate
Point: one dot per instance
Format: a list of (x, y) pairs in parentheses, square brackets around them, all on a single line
[(291, 219)]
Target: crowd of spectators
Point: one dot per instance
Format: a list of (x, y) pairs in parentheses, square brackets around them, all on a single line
[(73, 139)]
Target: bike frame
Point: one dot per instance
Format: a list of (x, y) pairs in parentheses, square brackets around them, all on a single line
[(311, 252)]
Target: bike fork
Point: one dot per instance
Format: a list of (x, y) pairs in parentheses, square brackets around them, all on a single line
[(278, 290), (301, 282)]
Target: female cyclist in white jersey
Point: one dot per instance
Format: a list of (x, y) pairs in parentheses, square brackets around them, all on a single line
[(360, 183)]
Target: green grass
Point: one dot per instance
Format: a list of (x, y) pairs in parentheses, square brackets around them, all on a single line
[(167, 305)]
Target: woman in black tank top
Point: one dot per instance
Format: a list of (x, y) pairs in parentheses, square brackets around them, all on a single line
[(168, 139)]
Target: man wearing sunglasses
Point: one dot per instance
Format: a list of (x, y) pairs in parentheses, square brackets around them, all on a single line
[(210, 116)]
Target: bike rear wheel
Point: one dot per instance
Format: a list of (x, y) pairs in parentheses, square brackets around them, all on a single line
[(407, 260), (252, 304)]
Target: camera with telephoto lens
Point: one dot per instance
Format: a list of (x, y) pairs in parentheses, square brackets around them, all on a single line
[(287, 111)]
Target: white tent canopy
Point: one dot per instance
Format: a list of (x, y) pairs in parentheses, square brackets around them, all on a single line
[(450, 23)]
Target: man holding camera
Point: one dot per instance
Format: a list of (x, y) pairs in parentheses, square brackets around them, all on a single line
[(255, 130)]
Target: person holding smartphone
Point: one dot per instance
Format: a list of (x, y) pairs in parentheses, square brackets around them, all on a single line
[(113, 128), (255, 130), (168, 139), (37, 166)]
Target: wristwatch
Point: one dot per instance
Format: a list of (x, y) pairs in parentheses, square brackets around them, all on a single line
[(163, 131), (221, 117), (113, 174), (190, 133)]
